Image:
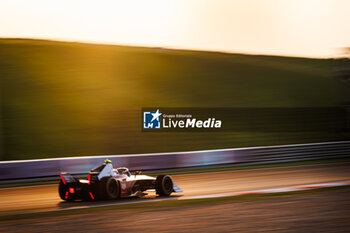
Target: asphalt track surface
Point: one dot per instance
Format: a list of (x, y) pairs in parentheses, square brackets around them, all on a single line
[(45, 198)]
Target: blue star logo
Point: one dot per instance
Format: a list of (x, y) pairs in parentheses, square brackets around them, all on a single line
[(151, 120)]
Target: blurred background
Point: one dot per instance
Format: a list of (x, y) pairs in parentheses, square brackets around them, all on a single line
[(61, 98), (75, 75)]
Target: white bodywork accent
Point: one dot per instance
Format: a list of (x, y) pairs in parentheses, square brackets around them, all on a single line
[(142, 177), (106, 171)]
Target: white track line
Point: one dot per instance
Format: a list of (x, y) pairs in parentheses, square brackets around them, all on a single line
[(218, 195), (31, 186)]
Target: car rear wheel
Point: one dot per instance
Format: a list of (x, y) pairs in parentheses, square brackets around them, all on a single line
[(164, 185), (109, 189)]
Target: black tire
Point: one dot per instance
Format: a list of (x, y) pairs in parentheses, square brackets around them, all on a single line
[(164, 185), (109, 189), (63, 191)]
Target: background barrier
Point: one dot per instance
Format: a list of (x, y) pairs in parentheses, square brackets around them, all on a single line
[(45, 168)]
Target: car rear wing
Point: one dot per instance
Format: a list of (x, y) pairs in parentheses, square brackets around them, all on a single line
[(67, 178)]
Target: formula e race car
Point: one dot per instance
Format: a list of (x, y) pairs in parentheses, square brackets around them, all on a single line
[(106, 183)]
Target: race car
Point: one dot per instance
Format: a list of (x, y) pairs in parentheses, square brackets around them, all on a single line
[(106, 183)]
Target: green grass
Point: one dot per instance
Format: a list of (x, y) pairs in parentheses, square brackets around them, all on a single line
[(68, 99), (166, 204)]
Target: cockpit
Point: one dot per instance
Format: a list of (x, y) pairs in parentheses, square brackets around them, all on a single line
[(106, 169), (122, 171)]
